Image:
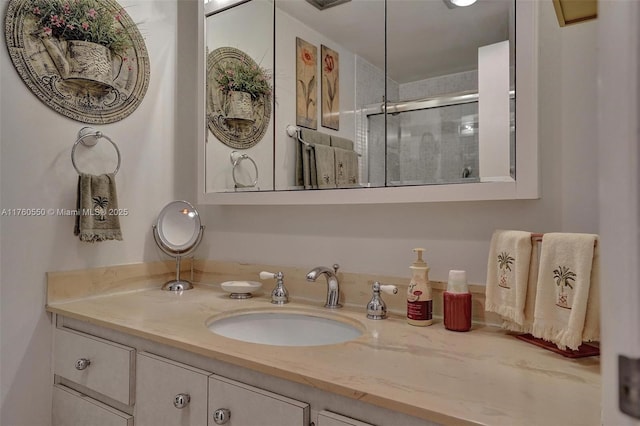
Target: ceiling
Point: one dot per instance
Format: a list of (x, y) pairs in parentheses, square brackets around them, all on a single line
[(425, 37)]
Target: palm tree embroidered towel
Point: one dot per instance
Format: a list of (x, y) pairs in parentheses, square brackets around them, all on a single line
[(567, 310), (507, 274), (530, 298), (325, 166), (97, 216), (346, 163)]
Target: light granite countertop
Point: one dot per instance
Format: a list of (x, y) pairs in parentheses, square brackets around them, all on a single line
[(484, 376)]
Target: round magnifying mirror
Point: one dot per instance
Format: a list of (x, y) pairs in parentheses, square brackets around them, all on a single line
[(178, 232)]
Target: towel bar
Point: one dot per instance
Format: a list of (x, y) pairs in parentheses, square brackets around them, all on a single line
[(86, 133), (295, 132), (538, 237)]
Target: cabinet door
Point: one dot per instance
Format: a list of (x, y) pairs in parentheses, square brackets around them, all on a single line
[(251, 406), (327, 418), (169, 393), (71, 408)]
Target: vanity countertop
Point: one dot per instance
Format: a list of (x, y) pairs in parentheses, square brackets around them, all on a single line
[(484, 376)]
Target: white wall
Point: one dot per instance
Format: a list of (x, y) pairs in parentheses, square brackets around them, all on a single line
[(157, 144), (378, 239), (36, 172)]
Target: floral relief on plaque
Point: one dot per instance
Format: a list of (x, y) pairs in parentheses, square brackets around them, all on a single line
[(84, 59), (238, 98)]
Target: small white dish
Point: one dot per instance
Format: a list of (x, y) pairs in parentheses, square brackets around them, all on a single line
[(240, 289)]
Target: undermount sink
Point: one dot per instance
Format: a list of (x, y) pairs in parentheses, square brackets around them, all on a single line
[(284, 328)]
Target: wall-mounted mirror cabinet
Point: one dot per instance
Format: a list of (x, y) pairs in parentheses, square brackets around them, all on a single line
[(442, 106)]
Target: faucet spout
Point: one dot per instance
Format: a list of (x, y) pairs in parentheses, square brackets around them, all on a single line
[(333, 286)]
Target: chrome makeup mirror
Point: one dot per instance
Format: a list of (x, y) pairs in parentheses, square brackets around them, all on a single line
[(178, 233)]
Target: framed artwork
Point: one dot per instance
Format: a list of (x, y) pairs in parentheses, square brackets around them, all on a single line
[(306, 83), (95, 72), (330, 88)]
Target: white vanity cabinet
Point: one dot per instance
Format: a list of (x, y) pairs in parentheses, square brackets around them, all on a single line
[(169, 393), (237, 404), (89, 373)]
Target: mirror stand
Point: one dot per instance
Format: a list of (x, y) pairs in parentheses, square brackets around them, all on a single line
[(178, 232), (178, 284)]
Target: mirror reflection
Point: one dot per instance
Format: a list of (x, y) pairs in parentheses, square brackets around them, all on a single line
[(436, 106)]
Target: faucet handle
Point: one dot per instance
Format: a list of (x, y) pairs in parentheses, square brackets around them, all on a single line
[(335, 268), (279, 295), (387, 288), (264, 275), (376, 308)]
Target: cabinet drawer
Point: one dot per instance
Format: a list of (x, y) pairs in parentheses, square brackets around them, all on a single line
[(327, 418), (251, 406), (159, 381), (110, 366), (71, 408)]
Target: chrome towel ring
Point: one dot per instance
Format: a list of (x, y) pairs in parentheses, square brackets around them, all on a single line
[(236, 159), (88, 137)]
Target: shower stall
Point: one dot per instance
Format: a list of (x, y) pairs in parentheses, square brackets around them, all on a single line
[(429, 141)]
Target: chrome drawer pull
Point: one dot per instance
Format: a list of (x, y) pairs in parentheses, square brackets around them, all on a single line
[(181, 400), (82, 363), (221, 416)]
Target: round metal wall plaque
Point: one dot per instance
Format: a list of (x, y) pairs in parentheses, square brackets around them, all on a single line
[(78, 79), (231, 124)]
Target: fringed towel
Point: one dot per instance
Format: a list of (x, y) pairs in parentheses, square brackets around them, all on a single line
[(567, 308), (507, 274), (530, 299), (325, 166), (346, 168), (97, 217), (305, 158)]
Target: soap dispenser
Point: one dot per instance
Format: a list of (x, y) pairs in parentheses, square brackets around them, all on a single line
[(419, 300)]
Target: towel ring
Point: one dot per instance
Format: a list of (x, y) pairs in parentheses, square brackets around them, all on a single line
[(86, 133), (236, 159)]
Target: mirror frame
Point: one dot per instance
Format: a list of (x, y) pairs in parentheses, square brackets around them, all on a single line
[(525, 186)]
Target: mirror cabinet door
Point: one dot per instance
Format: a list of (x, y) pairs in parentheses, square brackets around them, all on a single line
[(239, 96), (329, 68)]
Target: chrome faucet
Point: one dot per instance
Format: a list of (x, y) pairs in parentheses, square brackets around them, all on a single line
[(333, 287)]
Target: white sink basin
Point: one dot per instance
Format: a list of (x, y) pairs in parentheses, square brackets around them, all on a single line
[(284, 329)]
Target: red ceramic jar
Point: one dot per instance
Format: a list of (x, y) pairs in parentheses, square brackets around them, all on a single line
[(457, 311)]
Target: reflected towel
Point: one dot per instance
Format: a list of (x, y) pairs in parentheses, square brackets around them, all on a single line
[(325, 166), (508, 273), (346, 162), (567, 307), (97, 204), (305, 158), (344, 143)]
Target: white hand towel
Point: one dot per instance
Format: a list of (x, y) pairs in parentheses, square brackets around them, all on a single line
[(507, 274), (530, 299), (567, 307)]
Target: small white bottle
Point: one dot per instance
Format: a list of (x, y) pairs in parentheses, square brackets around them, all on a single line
[(419, 299)]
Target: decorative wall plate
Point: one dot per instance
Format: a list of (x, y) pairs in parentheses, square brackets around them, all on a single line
[(238, 123), (81, 80)]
